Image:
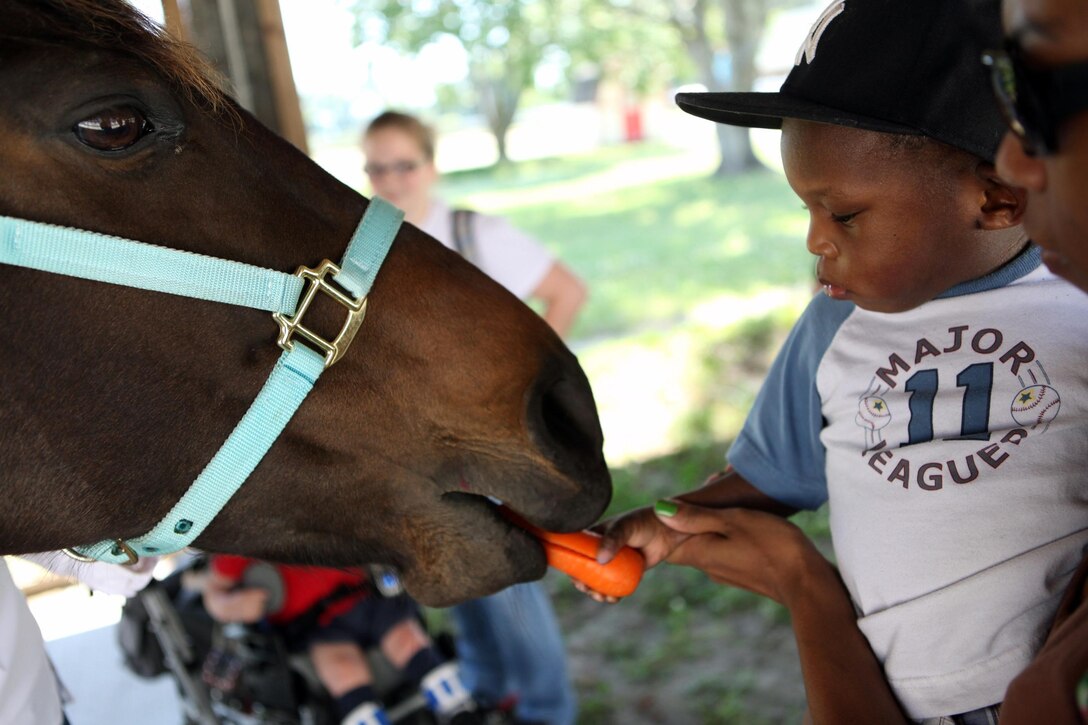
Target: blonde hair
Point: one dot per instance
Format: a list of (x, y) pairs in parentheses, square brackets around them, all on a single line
[(420, 132)]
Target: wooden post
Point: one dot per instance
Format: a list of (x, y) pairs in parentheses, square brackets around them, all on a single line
[(246, 41), (284, 93), (174, 24)]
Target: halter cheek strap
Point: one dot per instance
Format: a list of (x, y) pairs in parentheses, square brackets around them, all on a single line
[(130, 263)]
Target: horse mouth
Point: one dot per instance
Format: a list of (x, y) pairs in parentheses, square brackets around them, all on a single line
[(518, 544), (499, 512)]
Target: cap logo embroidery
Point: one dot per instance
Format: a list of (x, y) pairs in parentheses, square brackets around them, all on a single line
[(808, 48)]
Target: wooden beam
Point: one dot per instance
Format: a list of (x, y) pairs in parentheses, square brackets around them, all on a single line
[(246, 42), (282, 80), (172, 13)]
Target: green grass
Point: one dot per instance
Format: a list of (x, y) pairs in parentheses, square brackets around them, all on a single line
[(651, 252)]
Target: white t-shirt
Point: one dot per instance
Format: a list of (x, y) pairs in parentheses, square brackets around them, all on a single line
[(28, 687), (949, 441), (507, 255)]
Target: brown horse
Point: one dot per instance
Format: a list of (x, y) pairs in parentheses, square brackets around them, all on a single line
[(114, 398)]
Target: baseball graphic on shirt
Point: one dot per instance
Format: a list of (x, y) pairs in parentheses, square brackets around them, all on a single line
[(1035, 405), (873, 413)]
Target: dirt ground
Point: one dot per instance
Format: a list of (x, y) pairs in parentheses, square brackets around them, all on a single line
[(630, 666)]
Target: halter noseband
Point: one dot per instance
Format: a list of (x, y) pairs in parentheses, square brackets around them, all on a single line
[(89, 255)]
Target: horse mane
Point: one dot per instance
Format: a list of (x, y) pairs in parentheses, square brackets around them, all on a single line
[(116, 26)]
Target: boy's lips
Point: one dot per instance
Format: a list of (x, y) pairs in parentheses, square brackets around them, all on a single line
[(834, 291)]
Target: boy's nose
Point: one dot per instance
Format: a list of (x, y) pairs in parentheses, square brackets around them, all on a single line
[(1016, 167), (819, 243)]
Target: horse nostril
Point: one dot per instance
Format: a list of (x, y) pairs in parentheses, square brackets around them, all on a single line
[(565, 418), (566, 424), (561, 421)]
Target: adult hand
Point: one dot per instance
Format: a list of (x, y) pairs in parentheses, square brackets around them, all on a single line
[(766, 554), (99, 576), (753, 550)]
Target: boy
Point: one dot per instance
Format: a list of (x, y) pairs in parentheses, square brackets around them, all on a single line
[(933, 396)]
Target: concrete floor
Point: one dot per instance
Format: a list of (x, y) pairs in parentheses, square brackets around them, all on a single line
[(80, 632), (104, 692)]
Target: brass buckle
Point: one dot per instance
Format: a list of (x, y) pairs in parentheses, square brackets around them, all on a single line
[(332, 349)]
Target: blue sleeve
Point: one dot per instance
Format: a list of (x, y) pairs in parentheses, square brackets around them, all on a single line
[(779, 450)]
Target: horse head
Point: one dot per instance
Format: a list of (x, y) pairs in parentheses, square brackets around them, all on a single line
[(453, 392)]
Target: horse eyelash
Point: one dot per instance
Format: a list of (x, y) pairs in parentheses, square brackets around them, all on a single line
[(170, 133)]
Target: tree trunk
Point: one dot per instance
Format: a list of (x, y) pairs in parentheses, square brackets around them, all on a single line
[(744, 23), (744, 20), (498, 101)]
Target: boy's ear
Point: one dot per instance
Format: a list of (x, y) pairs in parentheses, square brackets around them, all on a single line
[(1001, 205)]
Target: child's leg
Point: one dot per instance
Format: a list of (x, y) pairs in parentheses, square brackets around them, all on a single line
[(343, 670), (404, 640), (410, 650)]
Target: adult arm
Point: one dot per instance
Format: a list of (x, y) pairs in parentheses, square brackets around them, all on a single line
[(643, 530), (562, 293), (766, 554), (1047, 690), (99, 576)]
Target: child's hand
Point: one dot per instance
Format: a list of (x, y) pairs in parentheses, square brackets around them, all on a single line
[(753, 550), (250, 604), (244, 605), (640, 529)]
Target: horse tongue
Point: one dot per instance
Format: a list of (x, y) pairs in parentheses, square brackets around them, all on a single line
[(513, 517)]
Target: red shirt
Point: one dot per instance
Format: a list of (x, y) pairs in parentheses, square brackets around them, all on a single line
[(304, 586)]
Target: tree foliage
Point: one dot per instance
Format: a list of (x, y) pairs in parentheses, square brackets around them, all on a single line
[(503, 39), (708, 31), (642, 44)]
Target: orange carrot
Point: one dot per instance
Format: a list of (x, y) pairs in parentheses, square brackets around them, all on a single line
[(617, 578), (575, 554)]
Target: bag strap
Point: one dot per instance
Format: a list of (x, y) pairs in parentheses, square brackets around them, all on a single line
[(464, 233)]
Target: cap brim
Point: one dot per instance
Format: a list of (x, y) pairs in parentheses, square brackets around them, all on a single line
[(766, 110)]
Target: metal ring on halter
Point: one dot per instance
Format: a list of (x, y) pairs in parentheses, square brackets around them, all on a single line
[(118, 544), (73, 554)]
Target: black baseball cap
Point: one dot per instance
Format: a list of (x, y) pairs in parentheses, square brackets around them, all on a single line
[(897, 66)]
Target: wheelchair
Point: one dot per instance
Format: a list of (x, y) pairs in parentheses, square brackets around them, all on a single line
[(235, 674)]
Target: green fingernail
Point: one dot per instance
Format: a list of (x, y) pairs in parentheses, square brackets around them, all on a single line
[(665, 508)]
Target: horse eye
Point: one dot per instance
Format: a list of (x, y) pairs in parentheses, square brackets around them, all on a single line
[(114, 129)]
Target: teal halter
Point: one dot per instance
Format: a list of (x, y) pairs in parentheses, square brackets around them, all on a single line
[(80, 253)]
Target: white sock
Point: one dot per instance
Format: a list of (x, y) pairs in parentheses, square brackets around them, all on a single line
[(445, 691), (369, 713)]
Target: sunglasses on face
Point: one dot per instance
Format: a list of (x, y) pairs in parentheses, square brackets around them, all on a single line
[(398, 168), (1036, 101)]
